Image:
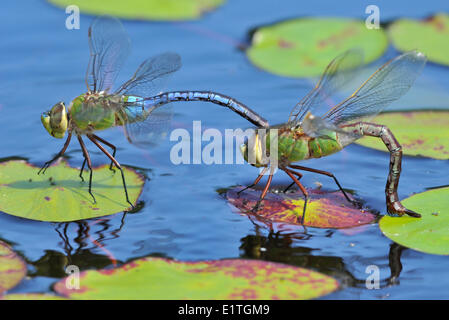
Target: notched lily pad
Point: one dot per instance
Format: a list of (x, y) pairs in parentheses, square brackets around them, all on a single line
[(158, 278), (430, 36), (59, 195), (428, 234), (324, 209), (304, 47), (12, 268), (165, 10), (421, 133)]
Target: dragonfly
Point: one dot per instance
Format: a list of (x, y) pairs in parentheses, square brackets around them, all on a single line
[(318, 128), (137, 105)]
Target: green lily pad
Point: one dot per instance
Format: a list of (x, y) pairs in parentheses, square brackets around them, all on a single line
[(31, 296), (430, 36), (304, 47), (324, 209), (420, 133), (59, 195), (428, 234), (158, 10), (12, 268), (158, 278)]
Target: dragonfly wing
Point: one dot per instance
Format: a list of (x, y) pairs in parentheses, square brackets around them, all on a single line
[(148, 124), (148, 127), (109, 47), (151, 76), (337, 75), (317, 127), (387, 84)]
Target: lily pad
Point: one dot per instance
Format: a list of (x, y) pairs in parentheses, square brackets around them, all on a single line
[(31, 296), (12, 268), (158, 10), (304, 47), (421, 133), (158, 278), (59, 195), (428, 234), (431, 36), (324, 209)]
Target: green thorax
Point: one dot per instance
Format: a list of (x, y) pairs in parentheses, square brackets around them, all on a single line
[(294, 145), (96, 111)]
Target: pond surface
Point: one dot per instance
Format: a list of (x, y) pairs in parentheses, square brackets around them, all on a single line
[(185, 216)]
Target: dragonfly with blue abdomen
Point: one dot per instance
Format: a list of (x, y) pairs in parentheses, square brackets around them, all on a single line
[(316, 129), (136, 105)]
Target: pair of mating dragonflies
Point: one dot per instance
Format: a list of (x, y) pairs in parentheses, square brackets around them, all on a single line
[(313, 130)]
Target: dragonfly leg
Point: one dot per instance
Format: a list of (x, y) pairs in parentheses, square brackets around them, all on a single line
[(264, 192), (301, 187), (291, 184), (60, 153), (110, 145), (329, 174), (394, 206), (89, 165), (255, 181), (82, 168), (115, 163)]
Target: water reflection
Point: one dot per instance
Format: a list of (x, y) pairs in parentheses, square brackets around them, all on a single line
[(90, 237), (281, 247)]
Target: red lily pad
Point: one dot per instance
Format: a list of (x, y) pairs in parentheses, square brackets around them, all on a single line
[(12, 268), (158, 278), (324, 209)]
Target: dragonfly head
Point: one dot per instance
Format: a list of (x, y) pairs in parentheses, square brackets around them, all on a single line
[(252, 151), (55, 121)]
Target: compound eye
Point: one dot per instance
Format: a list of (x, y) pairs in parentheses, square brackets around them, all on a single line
[(58, 120)]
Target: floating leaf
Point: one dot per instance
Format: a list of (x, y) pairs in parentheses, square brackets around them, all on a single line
[(324, 209), (430, 233), (431, 36), (304, 47), (59, 195), (159, 10), (421, 133), (12, 268), (158, 278), (31, 296)]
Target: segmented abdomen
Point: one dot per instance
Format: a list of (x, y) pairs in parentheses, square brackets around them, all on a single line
[(296, 148)]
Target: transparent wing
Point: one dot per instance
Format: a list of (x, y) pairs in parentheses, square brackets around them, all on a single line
[(337, 74), (109, 46), (151, 76), (387, 84), (150, 127), (149, 124)]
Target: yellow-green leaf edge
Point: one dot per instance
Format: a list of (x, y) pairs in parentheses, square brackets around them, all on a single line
[(421, 133), (430, 36), (430, 233), (159, 278), (59, 195), (303, 47), (155, 10)]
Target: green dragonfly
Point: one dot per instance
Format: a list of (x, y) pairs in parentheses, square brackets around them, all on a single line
[(316, 129), (137, 105)]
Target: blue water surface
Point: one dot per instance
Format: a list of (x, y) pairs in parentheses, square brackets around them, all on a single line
[(185, 217)]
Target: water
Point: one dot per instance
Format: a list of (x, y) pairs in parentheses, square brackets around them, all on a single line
[(42, 63)]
